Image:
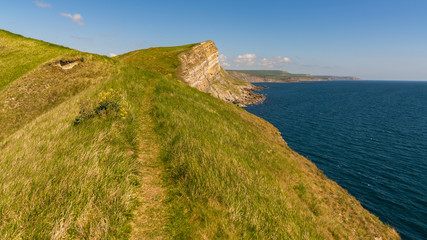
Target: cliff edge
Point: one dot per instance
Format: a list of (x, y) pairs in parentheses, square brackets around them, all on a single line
[(200, 68)]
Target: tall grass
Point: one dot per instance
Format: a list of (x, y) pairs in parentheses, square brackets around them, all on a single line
[(64, 181), (47, 86), (232, 176)]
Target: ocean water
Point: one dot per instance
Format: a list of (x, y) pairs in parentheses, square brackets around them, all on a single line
[(368, 136)]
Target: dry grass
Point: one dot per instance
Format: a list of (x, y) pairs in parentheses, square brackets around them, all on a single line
[(19, 55), (47, 86), (60, 181)]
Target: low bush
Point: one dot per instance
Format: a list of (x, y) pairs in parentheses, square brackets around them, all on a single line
[(108, 105)]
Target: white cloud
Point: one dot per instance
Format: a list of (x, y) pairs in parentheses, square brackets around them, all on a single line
[(280, 59), (246, 59), (251, 60), (77, 18), (274, 61), (42, 4), (223, 61), (112, 54), (266, 63)]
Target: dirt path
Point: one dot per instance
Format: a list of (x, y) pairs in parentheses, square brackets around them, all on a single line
[(150, 217)]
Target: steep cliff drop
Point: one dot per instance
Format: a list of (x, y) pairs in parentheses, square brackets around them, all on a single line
[(200, 68)]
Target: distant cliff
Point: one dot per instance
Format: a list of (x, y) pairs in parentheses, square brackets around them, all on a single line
[(200, 68), (259, 76)]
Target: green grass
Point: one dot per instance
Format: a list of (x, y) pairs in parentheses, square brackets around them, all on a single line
[(47, 86), (64, 181), (232, 176), (228, 174), (19, 55), (163, 60), (59, 181)]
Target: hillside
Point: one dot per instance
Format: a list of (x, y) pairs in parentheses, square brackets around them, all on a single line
[(277, 76), (16, 60), (198, 66), (102, 148)]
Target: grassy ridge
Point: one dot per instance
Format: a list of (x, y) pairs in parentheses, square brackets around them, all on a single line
[(163, 60), (16, 59), (47, 86)]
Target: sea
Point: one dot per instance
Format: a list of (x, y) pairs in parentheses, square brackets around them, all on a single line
[(368, 136)]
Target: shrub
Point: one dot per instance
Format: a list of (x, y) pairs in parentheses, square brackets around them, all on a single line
[(107, 106)]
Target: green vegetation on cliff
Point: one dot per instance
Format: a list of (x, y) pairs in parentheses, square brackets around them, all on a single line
[(220, 171)]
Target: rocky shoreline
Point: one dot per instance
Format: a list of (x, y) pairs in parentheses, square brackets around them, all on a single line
[(249, 96)]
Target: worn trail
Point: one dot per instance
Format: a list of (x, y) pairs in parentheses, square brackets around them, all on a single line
[(150, 217)]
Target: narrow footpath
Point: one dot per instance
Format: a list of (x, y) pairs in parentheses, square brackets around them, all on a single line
[(150, 217)]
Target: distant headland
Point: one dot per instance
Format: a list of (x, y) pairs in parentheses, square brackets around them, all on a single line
[(278, 76)]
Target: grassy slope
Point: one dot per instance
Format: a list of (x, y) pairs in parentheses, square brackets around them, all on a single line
[(161, 60), (59, 180), (16, 59), (230, 175), (47, 86), (228, 172)]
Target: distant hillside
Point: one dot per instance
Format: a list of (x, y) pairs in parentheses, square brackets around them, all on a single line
[(281, 76), (93, 147)]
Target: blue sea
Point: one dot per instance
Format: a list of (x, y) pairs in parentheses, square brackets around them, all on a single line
[(368, 136)]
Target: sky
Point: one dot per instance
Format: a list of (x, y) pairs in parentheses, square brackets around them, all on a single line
[(372, 39)]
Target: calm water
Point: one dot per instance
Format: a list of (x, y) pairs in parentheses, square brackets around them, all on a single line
[(369, 136)]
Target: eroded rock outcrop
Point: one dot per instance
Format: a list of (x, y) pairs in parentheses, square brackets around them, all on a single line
[(200, 68)]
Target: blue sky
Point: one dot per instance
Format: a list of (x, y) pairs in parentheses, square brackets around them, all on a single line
[(373, 39)]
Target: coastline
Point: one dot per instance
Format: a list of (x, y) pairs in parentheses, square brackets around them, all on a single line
[(275, 76)]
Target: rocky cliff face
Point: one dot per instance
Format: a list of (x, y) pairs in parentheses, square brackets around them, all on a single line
[(200, 69)]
